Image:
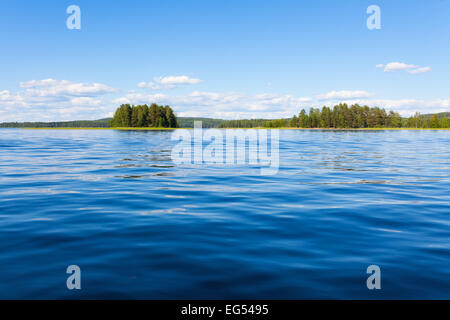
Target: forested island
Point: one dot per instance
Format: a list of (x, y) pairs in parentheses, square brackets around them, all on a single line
[(340, 116), (142, 116)]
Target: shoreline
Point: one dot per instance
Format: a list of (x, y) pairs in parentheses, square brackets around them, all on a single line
[(258, 128)]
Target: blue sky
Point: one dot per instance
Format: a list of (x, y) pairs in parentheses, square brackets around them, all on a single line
[(228, 59)]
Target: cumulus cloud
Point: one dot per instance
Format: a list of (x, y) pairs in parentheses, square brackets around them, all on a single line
[(170, 82), (396, 66), (420, 70), (57, 100), (400, 66), (85, 101), (50, 99), (52, 87), (344, 94)]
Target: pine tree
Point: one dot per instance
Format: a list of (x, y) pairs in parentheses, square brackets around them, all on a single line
[(153, 115), (139, 116), (122, 117), (303, 119)]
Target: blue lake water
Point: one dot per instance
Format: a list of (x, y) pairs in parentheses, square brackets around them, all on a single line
[(139, 226)]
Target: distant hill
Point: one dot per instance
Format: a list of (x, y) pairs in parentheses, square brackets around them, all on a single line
[(101, 123), (184, 122), (188, 122), (440, 115)]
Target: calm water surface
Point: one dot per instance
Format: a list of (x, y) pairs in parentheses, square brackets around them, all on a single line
[(115, 204)]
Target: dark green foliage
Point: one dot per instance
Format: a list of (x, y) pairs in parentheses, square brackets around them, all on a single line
[(139, 116), (253, 123), (142, 116), (122, 117), (342, 116), (440, 115), (294, 123), (303, 120), (170, 117), (153, 115), (187, 122), (438, 120), (279, 123)]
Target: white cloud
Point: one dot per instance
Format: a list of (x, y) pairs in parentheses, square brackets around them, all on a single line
[(54, 100), (85, 101), (396, 66), (345, 94), (400, 66), (52, 87), (420, 70), (57, 100), (170, 82), (178, 80)]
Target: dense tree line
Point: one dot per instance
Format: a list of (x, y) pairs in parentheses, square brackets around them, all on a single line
[(427, 121), (188, 122), (154, 116), (102, 123), (183, 122), (344, 116), (253, 123), (277, 123), (340, 116), (355, 116)]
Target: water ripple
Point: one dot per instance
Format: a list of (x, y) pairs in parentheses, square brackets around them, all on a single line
[(139, 226)]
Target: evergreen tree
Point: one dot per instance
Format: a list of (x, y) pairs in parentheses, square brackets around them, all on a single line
[(325, 117), (303, 119), (395, 120), (139, 116), (170, 116), (153, 115), (294, 122), (122, 117), (143, 116), (434, 121)]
